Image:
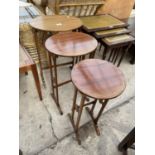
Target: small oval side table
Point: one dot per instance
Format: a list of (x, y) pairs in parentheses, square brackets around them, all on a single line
[(99, 80), (68, 44)]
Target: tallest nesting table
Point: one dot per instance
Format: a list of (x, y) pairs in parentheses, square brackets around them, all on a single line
[(55, 23)]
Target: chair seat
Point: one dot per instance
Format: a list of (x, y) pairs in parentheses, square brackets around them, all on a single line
[(98, 79)]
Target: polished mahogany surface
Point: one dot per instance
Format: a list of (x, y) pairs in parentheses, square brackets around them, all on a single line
[(98, 79), (71, 44), (56, 23)]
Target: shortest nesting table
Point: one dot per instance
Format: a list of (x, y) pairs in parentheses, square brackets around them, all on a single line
[(98, 79)]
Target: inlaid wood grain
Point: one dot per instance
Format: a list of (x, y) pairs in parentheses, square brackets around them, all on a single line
[(71, 44), (56, 23), (98, 79)]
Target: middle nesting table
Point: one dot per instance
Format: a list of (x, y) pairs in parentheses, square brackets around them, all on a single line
[(67, 44)]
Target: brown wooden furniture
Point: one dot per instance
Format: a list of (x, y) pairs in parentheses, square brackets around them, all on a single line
[(77, 7), (69, 44), (120, 9), (116, 45), (69, 7), (99, 80), (55, 23), (127, 142), (131, 27), (20, 152), (25, 64), (111, 32), (26, 35), (101, 22), (116, 40)]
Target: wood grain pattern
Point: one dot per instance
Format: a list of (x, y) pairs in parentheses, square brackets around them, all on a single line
[(98, 79), (56, 23), (71, 44), (101, 22)]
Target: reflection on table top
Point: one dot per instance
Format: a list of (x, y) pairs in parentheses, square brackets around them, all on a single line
[(71, 44), (56, 23)]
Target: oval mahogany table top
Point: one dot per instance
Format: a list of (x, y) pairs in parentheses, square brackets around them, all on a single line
[(98, 79), (56, 23), (71, 44)]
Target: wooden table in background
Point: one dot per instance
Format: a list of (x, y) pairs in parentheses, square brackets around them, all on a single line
[(55, 23), (25, 64), (101, 22)]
